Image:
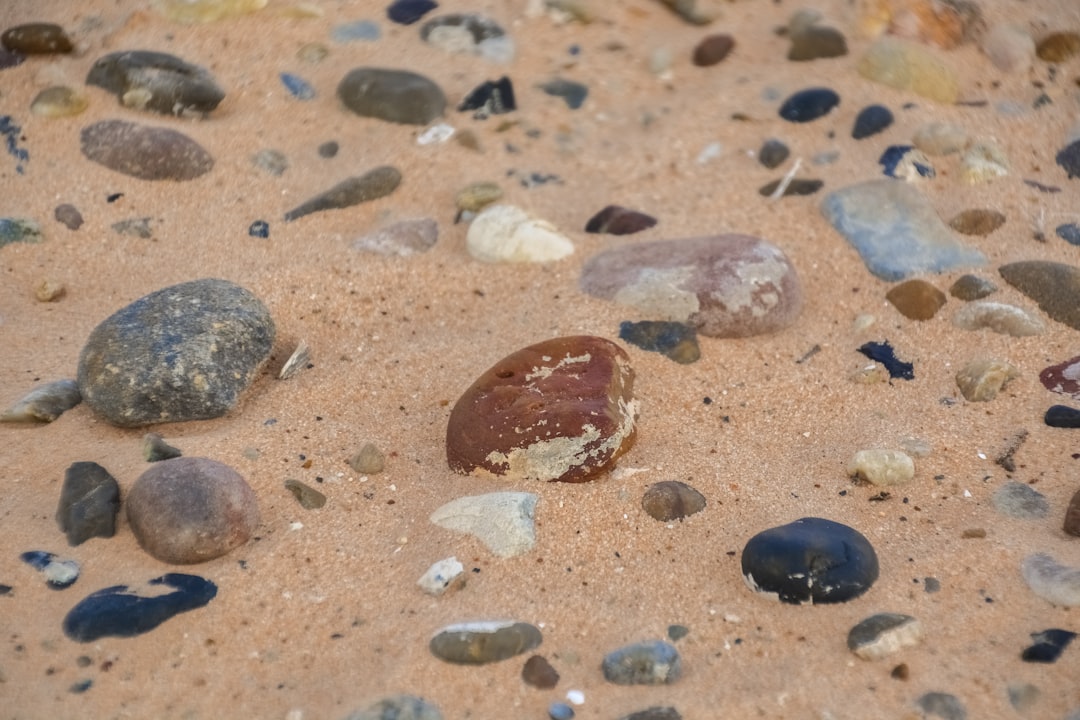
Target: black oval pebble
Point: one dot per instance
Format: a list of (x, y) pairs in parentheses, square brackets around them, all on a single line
[(406, 12), (810, 104), (69, 216), (118, 612), (1062, 416), (871, 120)]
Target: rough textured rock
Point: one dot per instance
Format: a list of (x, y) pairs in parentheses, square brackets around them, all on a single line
[(163, 83), (671, 500), (147, 153), (1020, 500), (1054, 286), (883, 634), (504, 521), (394, 95), (479, 643), (879, 466), (44, 403), (646, 663), (89, 503), (982, 380), (402, 239), (999, 317), (506, 233), (372, 185)]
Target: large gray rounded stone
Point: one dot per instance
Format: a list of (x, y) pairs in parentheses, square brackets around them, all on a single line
[(395, 95), (185, 352)]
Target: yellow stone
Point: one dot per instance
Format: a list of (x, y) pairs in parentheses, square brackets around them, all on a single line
[(58, 101), (908, 66), (195, 12)]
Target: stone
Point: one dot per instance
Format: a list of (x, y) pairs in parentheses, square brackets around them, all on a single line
[(155, 449), (144, 152), (870, 121), (1062, 416), (469, 33), (120, 611), (407, 12), (1072, 516), (156, 81), (773, 153), (185, 352), (695, 12), (909, 66), (572, 93), (398, 707), (723, 285), (940, 138), (653, 662), (272, 161), (1009, 47), (906, 162), (1056, 583), (538, 673), (1058, 47), (617, 220), (44, 403), (393, 95), (671, 500), (491, 97), (59, 574), (477, 196), (506, 233), (441, 576), (1069, 159), (896, 230), (999, 317), (562, 711), (259, 229), (37, 39), (811, 560), (983, 162), (884, 354), (882, 467), (1023, 697), (1020, 500), (814, 42), (977, 221), (972, 287), (134, 227), (943, 705), (654, 713), (562, 409), (372, 185), (308, 497), (297, 86), (792, 187), (676, 341), (20, 230), (504, 521), (982, 380), (368, 460), (69, 216), (402, 239), (47, 290), (58, 101), (328, 149), (483, 642), (189, 510), (200, 12), (89, 503), (883, 634), (809, 105), (1048, 645), (712, 49), (356, 31), (916, 299), (10, 58), (1063, 378), (1069, 232)]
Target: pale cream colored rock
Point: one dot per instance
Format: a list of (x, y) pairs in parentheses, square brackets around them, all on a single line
[(999, 317), (503, 521), (940, 138), (982, 380), (441, 576), (1009, 47), (505, 233), (983, 162), (882, 467), (884, 634)]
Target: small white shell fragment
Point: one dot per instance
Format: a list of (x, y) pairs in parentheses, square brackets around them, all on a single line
[(438, 133), (440, 576), (505, 233), (296, 362), (882, 467)]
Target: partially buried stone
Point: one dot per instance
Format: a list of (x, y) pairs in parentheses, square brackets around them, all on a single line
[(939, 138), (469, 33), (491, 97), (118, 611), (155, 449), (654, 713), (572, 93), (1009, 47), (356, 31), (441, 575), (713, 49), (1069, 159), (393, 95), (328, 149), (398, 707), (259, 229), (916, 299), (1020, 500), (68, 216), (943, 705), (192, 12), (811, 560), (1048, 645), (646, 663), (272, 161), (883, 634), (1062, 416), (504, 521), (982, 380), (372, 185), (814, 41), (479, 643), (58, 101), (808, 105), (977, 221), (1069, 232), (617, 220), (406, 12), (163, 83), (135, 227), (59, 574), (19, 230), (89, 502), (562, 409), (297, 86), (1072, 516), (879, 466), (906, 162), (44, 403), (870, 121), (1057, 47), (506, 233), (910, 66), (144, 152), (695, 12), (1052, 581), (793, 187), (675, 340), (37, 39), (983, 162), (48, 290), (539, 673), (671, 500), (477, 196), (402, 239), (368, 460), (999, 317), (773, 153), (308, 497), (560, 711), (1063, 378), (972, 287)]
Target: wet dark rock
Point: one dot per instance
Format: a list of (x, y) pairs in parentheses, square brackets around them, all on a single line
[(69, 216), (155, 449), (1062, 416), (37, 39), (977, 221), (809, 105), (393, 95), (813, 42), (118, 611), (1069, 232), (884, 354), (972, 287), (308, 497), (297, 86), (572, 93), (1054, 286), (1069, 159), (372, 185), (44, 403), (811, 560), (675, 340), (398, 707), (906, 162), (617, 220), (479, 643), (647, 663), (144, 152), (406, 12), (871, 120), (773, 153), (671, 500), (492, 97), (539, 673), (794, 187), (259, 229), (916, 299), (1020, 500), (163, 83), (713, 49), (59, 574), (943, 705), (1048, 645), (89, 503)]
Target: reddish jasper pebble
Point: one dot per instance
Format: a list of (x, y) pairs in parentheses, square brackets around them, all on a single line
[(713, 49), (1063, 378), (562, 409)]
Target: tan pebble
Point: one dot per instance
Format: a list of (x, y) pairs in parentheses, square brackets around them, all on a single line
[(48, 290), (478, 195), (58, 101), (882, 467), (982, 380), (369, 460), (982, 163)]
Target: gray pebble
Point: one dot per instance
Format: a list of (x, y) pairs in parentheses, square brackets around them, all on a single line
[(1019, 500), (89, 503), (144, 152), (308, 497), (394, 95), (942, 705), (479, 643), (646, 663), (147, 80), (398, 707), (44, 403), (155, 449)]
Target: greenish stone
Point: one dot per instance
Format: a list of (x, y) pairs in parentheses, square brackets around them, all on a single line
[(372, 185), (308, 497), (479, 643), (19, 230)]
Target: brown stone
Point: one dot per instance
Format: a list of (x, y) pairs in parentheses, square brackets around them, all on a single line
[(539, 673), (37, 39), (672, 500), (562, 409), (1072, 516), (916, 299), (617, 220), (147, 153), (977, 221), (1055, 286), (713, 49), (1058, 47)]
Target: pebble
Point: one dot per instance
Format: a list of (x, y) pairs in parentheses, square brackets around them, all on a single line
[(1020, 500), (1048, 645), (972, 287), (504, 521), (723, 285), (477, 196), (671, 500), (1069, 159), (939, 138), (654, 713), (372, 185), (272, 161), (617, 220), (144, 152), (1069, 232), (469, 33), (982, 380), (69, 216), (905, 65), (1071, 525), (1057, 47), (1054, 286), (773, 153), (870, 121), (896, 230), (259, 229), (12, 134), (190, 510), (120, 611), (89, 503), (983, 162), (674, 340), (308, 497), (151, 362), (20, 230), (398, 707), (1009, 47), (491, 97), (407, 12), (44, 403), (813, 42), (906, 162), (572, 93), (811, 560), (155, 449), (977, 221), (881, 467), (37, 39), (916, 299), (999, 317), (560, 711), (297, 86), (695, 12), (393, 95), (1062, 416), (368, 460), (793, 187), (808, 105), (652, 662), (944, 705), (163, 83), (135, 227), (48, 290), (884, 354), (356, 31), (1052, 581), (441, 575), (1023, 697), (883, 634), (58, 101), (506, 233), (562, 409), (483, 642), (328, 149), (199, 12), (10, 59), (712, 49), (59, 574), (402, 239), (538, 673), (1063, 378)]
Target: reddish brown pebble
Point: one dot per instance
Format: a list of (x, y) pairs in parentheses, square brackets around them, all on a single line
[(1063, 378), (36, 39), (1072, 516), (1058, 47), (713, 49), (562, 409), (977, 221), (916, 299), (672, 500), (539, 673)]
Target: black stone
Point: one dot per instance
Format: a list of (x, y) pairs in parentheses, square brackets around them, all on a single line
[(89, 502), (773, 153), (654, 713), (1062, 416), (492, 97), (871, 120), (12, 134), (1069, 159), (406, 12), (617, 220), (118, 612), (810, 104), (810, 560), (573, 93), (329, 149), (149, 80), (883, 353), (1049, 644), (895, 155), (795, 187), (1069, 232), (677, 341), (259, 229)]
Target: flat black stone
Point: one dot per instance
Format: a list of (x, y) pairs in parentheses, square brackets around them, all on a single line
[(654, 713), (883, 353), (808, 105), (796, 187), (492, 97), (1069, 159), (89, 502), (810, 560), (1062, 416), (1049, 644), (117, 612), (406, 12), (871, 120)]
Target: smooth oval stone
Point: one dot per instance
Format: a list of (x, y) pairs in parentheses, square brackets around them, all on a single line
[(982, 380), (808, 105), (372, 185), (1062, 416), (972, 287), (1057, 47), (671, 500), (646, 663), (506, 233), (185, 352), (562, 409), (118, 611), (560, 711), (36, 39), (44, 403), (773, 153), (89, 503), (713, 49), (148, 80), (58, 101), (1009, 47), (1072, 516), (477, 196), (677, 341), (916, 299), (69, 216), (1052, 581), (879, 466), (504, 521), (813, 42), (406, 12), (658, 712), (883, 634), (398, 707), (358, 30), (328, 149), (941, 705), (144, 152), (1063, 378), (724, 285), (939, 138), (190, 510), (539, 673), (617, 220), (871, 120), (368, 460), (479, 643), (811, 560), (1069, 232), (999, 317), (393, 95), (977, 221), (910, 66)]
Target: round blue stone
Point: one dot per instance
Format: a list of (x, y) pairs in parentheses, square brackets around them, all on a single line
[(809, 104), (871, 120)]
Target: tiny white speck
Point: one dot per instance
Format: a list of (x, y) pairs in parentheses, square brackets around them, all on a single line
[(575, 696), (982, 456), (967, 493)]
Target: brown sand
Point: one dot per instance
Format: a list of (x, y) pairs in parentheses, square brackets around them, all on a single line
[(325, 616)]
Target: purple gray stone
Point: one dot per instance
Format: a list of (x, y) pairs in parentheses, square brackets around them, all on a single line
[(1054, 286), (394, 95), (144, 152), (89, 503)]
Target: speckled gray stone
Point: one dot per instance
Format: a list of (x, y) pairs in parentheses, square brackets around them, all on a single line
[(653, 662), (144, 152), (157, 81)]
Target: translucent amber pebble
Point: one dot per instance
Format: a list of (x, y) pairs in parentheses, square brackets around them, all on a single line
[(58, 101)]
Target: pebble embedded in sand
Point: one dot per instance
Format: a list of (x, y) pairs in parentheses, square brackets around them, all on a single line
[(981, 380), (809, 105), (372, 185), (44, 403), (617, 220), (37, 39), (712, 49), (121, 611), (883, 634), (504, 521), (999, 317), (398, 96), (1052, 581), (879, 466), (505, 233), (163, 83), (916, 299), (646, 663), (483, 642), (671, 500), (144, 152)]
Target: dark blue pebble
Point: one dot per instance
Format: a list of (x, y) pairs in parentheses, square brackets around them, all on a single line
[(560, 711), (1062, 416), (1049, 644), (41, 561), (80, 687), (115, 611), (573, 93), (5, 589), (259, 229), (883, 353), (810, 104), (871, 120), (677, 341), (1069, 232), (493, 97), (894, 155), (1069, 159), (406, 12), (297, 86)]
